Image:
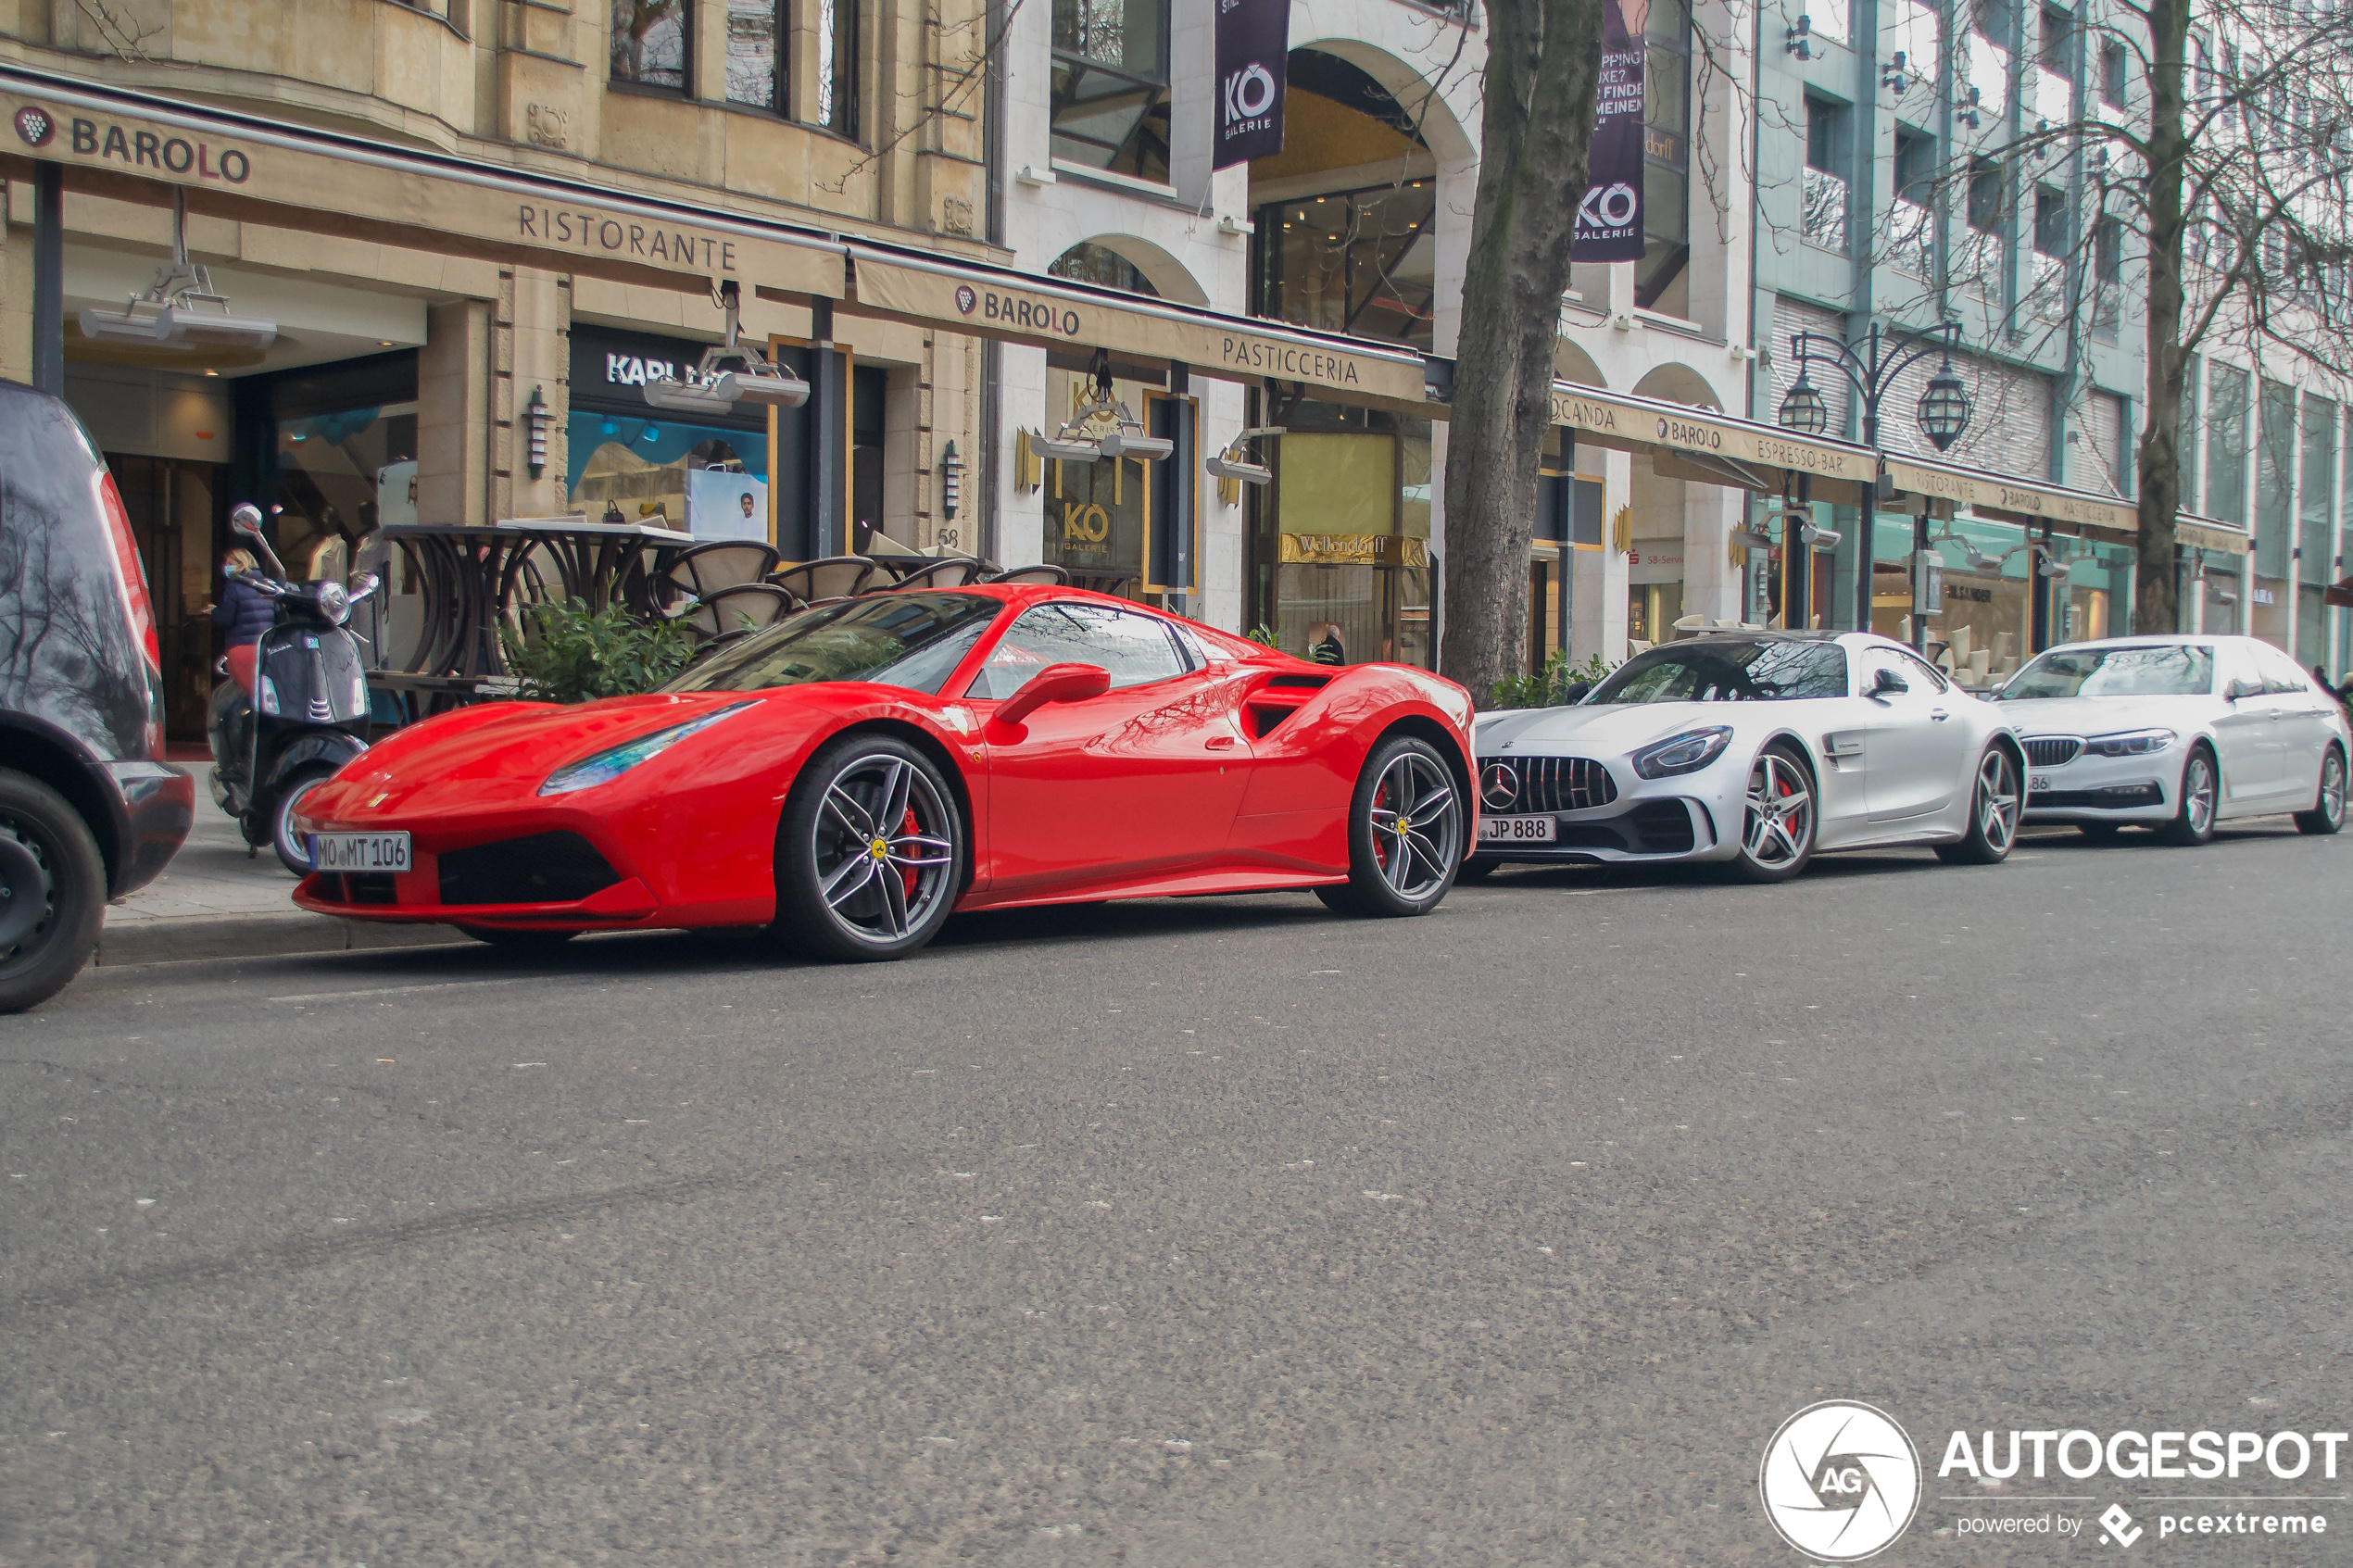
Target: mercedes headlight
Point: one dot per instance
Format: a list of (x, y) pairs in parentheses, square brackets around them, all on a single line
[(611, 763), (1686, 753), (2131, 743)]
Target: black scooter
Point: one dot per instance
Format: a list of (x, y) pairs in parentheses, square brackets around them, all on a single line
[(313, 715)]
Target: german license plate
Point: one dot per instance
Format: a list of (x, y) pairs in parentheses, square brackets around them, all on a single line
[(349, 852), (2036, 784), (1515, 830)]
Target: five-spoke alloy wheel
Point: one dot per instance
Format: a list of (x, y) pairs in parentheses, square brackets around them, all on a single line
[(2201, 788), (1405, 827), (1776, 825), (2327, 814), (871, 855), (1994, 803)]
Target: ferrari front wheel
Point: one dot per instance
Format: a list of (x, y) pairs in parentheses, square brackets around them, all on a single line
[(871, 852), (1404, 833)]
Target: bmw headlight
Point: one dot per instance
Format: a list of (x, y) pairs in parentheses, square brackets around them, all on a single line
[(2131, 743), (610, 764), (1686, 753)]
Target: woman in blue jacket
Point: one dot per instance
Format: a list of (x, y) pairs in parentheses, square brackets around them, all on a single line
[(243, 614)]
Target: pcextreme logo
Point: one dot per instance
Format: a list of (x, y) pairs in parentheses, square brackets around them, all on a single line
[(1840, 1481)]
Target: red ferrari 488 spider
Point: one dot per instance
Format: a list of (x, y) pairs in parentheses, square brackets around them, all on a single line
[(851, 775)]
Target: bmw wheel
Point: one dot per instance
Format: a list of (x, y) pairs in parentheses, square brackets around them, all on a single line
[(2193, 823), (872, 852), (1993, 814), (2327, 814), (1404, 833), (53, 892), (1776, 825)]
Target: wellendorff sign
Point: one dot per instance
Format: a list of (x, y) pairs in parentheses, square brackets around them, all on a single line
[(942, 297)]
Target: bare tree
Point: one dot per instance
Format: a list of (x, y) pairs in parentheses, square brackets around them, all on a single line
[(2206, 170), (1542, 72)]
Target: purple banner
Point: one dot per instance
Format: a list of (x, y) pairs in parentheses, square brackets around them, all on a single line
[(1609, 220), (1253, 48)]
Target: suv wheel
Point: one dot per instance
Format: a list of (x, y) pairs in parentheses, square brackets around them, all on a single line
[(53, 892)]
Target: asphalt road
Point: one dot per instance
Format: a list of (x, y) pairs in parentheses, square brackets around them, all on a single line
[(1204, 1233)]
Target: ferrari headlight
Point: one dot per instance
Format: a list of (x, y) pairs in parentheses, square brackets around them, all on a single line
[(2131, 743), (610, 764), (1686, 753)]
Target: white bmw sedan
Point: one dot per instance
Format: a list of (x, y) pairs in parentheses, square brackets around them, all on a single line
[(1755, 749), (2177, 733)]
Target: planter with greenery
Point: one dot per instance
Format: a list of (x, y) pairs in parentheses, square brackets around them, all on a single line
[(566, 652), (1556, 685)]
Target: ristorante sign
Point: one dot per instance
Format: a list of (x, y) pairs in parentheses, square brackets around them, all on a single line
[(292, 178), (1038, 312)]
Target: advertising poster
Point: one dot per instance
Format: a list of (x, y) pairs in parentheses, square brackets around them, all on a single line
[(1253, 46), (1609, 221), (722, 503)]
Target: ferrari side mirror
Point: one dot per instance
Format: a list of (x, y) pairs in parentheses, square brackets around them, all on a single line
[(1056, 683)]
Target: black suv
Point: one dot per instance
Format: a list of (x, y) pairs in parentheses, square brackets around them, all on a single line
[(88, 808)]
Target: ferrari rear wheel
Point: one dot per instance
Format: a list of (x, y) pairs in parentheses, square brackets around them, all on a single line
[(871, 853), (1777, 824), (1404, 833)]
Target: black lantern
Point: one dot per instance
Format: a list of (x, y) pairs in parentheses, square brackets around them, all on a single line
[(1943, 410), (1804, 411)]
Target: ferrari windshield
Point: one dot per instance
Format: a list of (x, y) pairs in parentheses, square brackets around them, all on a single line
[(2162, 669), (1729, 669), (911, 640)]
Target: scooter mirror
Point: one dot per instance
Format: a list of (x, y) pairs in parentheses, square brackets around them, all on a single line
[(363, 583), (245, 518)]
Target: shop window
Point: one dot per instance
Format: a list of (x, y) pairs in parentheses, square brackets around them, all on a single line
[(1660, 280), (1358, 262), (2229, 395), (2113, 80), (626, 462), (1111, 85), (649, 43), (2274, 476), (2319, 461)]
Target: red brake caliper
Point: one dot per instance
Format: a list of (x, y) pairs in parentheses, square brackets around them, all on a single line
[(1381, 851), (906, 874)]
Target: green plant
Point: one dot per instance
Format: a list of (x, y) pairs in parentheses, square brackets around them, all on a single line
[(566, 652), (1262, 635), (1550, 688)]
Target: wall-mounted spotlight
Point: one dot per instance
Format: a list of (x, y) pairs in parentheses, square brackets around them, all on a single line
[(1968, 113), (713, 388), (1801, 38), (180, 309), (1234, 462), (540, 416), (1892, 78), (1815, 537)]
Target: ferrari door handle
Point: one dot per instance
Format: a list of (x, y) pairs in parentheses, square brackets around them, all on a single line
[(1220, 743)]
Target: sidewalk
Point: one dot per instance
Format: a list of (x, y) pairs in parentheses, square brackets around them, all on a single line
[(215, 901)]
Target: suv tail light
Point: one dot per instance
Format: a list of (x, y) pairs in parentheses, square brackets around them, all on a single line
[(131, 579)]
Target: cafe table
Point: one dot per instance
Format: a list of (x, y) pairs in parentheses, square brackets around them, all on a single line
[(473, 576)]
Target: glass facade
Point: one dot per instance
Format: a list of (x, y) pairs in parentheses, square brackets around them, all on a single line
[(1358, 262), (1111, 85), (627, 461)]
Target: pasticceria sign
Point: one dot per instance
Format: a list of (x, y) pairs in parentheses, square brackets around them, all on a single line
[(1041, 313)]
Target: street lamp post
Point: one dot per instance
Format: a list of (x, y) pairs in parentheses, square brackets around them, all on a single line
[(1871, 367)]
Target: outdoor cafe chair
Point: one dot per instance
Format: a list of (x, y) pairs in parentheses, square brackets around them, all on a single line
[(1047, 573), (746, 606), (705, 569), (833, 578), (953, 572)]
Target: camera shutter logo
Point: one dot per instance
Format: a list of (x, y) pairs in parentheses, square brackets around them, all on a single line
[(1840, 1481), (36, 126)]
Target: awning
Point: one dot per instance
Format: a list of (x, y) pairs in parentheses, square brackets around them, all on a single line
[(2078, 512), (122, 144), (1705, 444), (1053, 312)]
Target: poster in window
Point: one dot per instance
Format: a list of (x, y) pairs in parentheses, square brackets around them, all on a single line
[(1253, 48), (1609, 221), (721, 504)]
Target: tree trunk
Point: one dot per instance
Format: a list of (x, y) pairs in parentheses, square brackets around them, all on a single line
[(1544, 66), (2155, 606)]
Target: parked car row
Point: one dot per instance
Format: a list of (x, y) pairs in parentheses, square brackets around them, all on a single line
[(1759, 750)]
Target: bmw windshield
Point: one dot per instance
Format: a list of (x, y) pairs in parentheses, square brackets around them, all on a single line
[(1728, 670), (2164, 669), (910, 640)]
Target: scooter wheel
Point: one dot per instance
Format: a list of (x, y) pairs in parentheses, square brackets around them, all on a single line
[(294, 854)]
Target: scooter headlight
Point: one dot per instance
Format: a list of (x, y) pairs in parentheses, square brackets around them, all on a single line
[(334, 603), (268, 694), (609, 765)]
